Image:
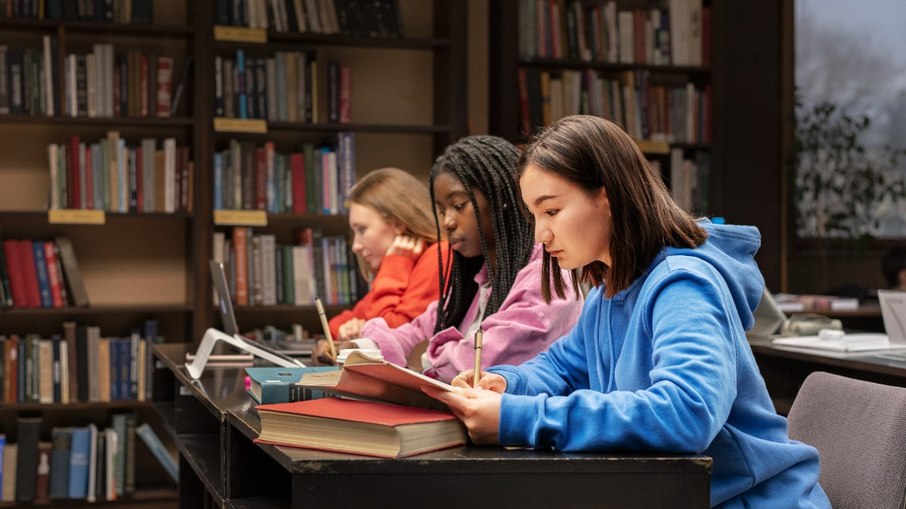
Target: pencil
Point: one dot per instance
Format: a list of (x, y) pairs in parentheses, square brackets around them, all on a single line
[(477, 372), (326, 326)]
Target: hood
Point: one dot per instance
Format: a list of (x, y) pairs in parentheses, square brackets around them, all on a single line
[(731, 250)]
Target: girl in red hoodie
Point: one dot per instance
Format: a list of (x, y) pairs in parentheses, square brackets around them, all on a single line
[(393, 233)]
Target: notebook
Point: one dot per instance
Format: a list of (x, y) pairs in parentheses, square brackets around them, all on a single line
[(893, 312)]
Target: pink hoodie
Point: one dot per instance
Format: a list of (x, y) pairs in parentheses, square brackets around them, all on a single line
[(522, 327)]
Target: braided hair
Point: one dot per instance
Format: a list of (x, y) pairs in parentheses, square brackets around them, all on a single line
[(488, 164)]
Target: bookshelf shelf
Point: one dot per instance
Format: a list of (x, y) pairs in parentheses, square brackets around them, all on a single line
[(363, 128), (555, 63), (203, 454), (78, 406), (58, 121), (99, 310), (279, 40), (93, 27)]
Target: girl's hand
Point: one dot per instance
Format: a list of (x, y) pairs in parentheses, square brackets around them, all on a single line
[(321, 356), (351, 329), (488, 381), (478, 409), (405, 245)]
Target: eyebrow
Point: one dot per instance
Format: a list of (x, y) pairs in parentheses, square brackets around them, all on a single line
[(541, 198)]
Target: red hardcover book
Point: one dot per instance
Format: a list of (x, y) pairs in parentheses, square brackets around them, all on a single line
[(297, 167), (345, 99), (359, 427), (16, 274), (240, 244), (56, 292), (29, 273), (11, 369), (164, 93)]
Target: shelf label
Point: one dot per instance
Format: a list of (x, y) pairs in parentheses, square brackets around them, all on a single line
[(240, 125), (76, 216), (239, 34), (240, 217), (653, 147)]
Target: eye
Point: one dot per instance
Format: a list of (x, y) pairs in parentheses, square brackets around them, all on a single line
[(459, 206), (551, 212)]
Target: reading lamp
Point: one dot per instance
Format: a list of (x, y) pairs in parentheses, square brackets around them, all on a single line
[(231, 336)]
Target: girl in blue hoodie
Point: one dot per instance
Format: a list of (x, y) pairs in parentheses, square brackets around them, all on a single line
[(658, 361)]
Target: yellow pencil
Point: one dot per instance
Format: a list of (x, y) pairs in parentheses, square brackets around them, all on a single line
[(477, 373), (326, 326)]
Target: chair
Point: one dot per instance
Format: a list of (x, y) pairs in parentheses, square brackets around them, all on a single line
[(859, 429)]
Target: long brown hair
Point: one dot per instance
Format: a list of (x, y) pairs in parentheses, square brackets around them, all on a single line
[(592, 153), (399, 198)]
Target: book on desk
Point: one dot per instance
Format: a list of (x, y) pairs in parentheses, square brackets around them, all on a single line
[(359, 427)]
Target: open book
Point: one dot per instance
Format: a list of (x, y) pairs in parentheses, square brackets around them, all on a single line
[(367, 377)]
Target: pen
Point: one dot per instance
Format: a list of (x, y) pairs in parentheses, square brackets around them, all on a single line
[(326, 326), (476, 374)]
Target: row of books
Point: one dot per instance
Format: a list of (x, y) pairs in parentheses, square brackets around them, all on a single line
[(689, 180), (797, 303), (77, 365), (113, 11), (102, 83), (364, 18), (313, 179), (262, 272), (598, 31), (287, 87), (152, 176), (647, 111), (40, 274), (78, 462)]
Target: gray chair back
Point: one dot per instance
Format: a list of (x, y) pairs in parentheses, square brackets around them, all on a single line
[(859, 429)]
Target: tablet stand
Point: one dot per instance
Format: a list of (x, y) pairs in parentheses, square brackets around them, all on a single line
[(212, 336)]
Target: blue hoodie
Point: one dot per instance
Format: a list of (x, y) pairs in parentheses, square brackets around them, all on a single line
[(664, 366)]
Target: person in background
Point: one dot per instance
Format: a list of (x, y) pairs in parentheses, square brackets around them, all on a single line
[(659, 361), (893, 265), (393, 237), (494, 279)]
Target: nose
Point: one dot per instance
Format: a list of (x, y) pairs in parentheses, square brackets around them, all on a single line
[(449, 222), (357, 246), (543, 234)]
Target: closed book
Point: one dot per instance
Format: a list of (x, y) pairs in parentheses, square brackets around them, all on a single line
[(157, 448), (359, 427), (71, 272), (61, 440), (42, 478), (10, 461), (278, 385), (78, 462), (29, 429)]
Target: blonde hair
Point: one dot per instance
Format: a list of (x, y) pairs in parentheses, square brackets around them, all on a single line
[(400, 199)]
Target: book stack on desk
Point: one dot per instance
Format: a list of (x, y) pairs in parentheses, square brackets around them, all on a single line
[(792, 303), (380, 411)]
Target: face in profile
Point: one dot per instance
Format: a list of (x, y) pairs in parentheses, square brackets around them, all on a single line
[(372, 234), (573, 224), (458, 218)]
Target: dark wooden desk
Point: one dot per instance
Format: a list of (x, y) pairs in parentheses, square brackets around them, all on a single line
[(784, 369), (213, 422)]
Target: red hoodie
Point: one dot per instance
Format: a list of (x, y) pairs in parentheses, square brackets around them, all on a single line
[(402, 290)]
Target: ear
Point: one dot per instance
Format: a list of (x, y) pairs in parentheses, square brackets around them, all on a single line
[(398, 227)]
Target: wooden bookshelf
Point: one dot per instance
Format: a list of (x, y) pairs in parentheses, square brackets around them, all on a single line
[(749, 77), (408, 104)]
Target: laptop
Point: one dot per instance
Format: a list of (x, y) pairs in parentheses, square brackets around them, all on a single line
[(768, 318), (228, 316), (893, 343)]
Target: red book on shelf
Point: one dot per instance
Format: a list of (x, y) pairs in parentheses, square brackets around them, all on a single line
[(297, 167), (164, 93), (240, 244), (359, 427), (345, 98), (11, 369), (56, 292), (29, 273), (16, 272), (260, 178)]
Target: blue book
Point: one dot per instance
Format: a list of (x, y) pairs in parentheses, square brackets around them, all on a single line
[(60, 462), (2, 447), (78, 463), (43, 280), (150, 438), (278, 385)]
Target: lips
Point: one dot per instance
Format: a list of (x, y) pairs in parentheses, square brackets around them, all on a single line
[(455, 242)]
